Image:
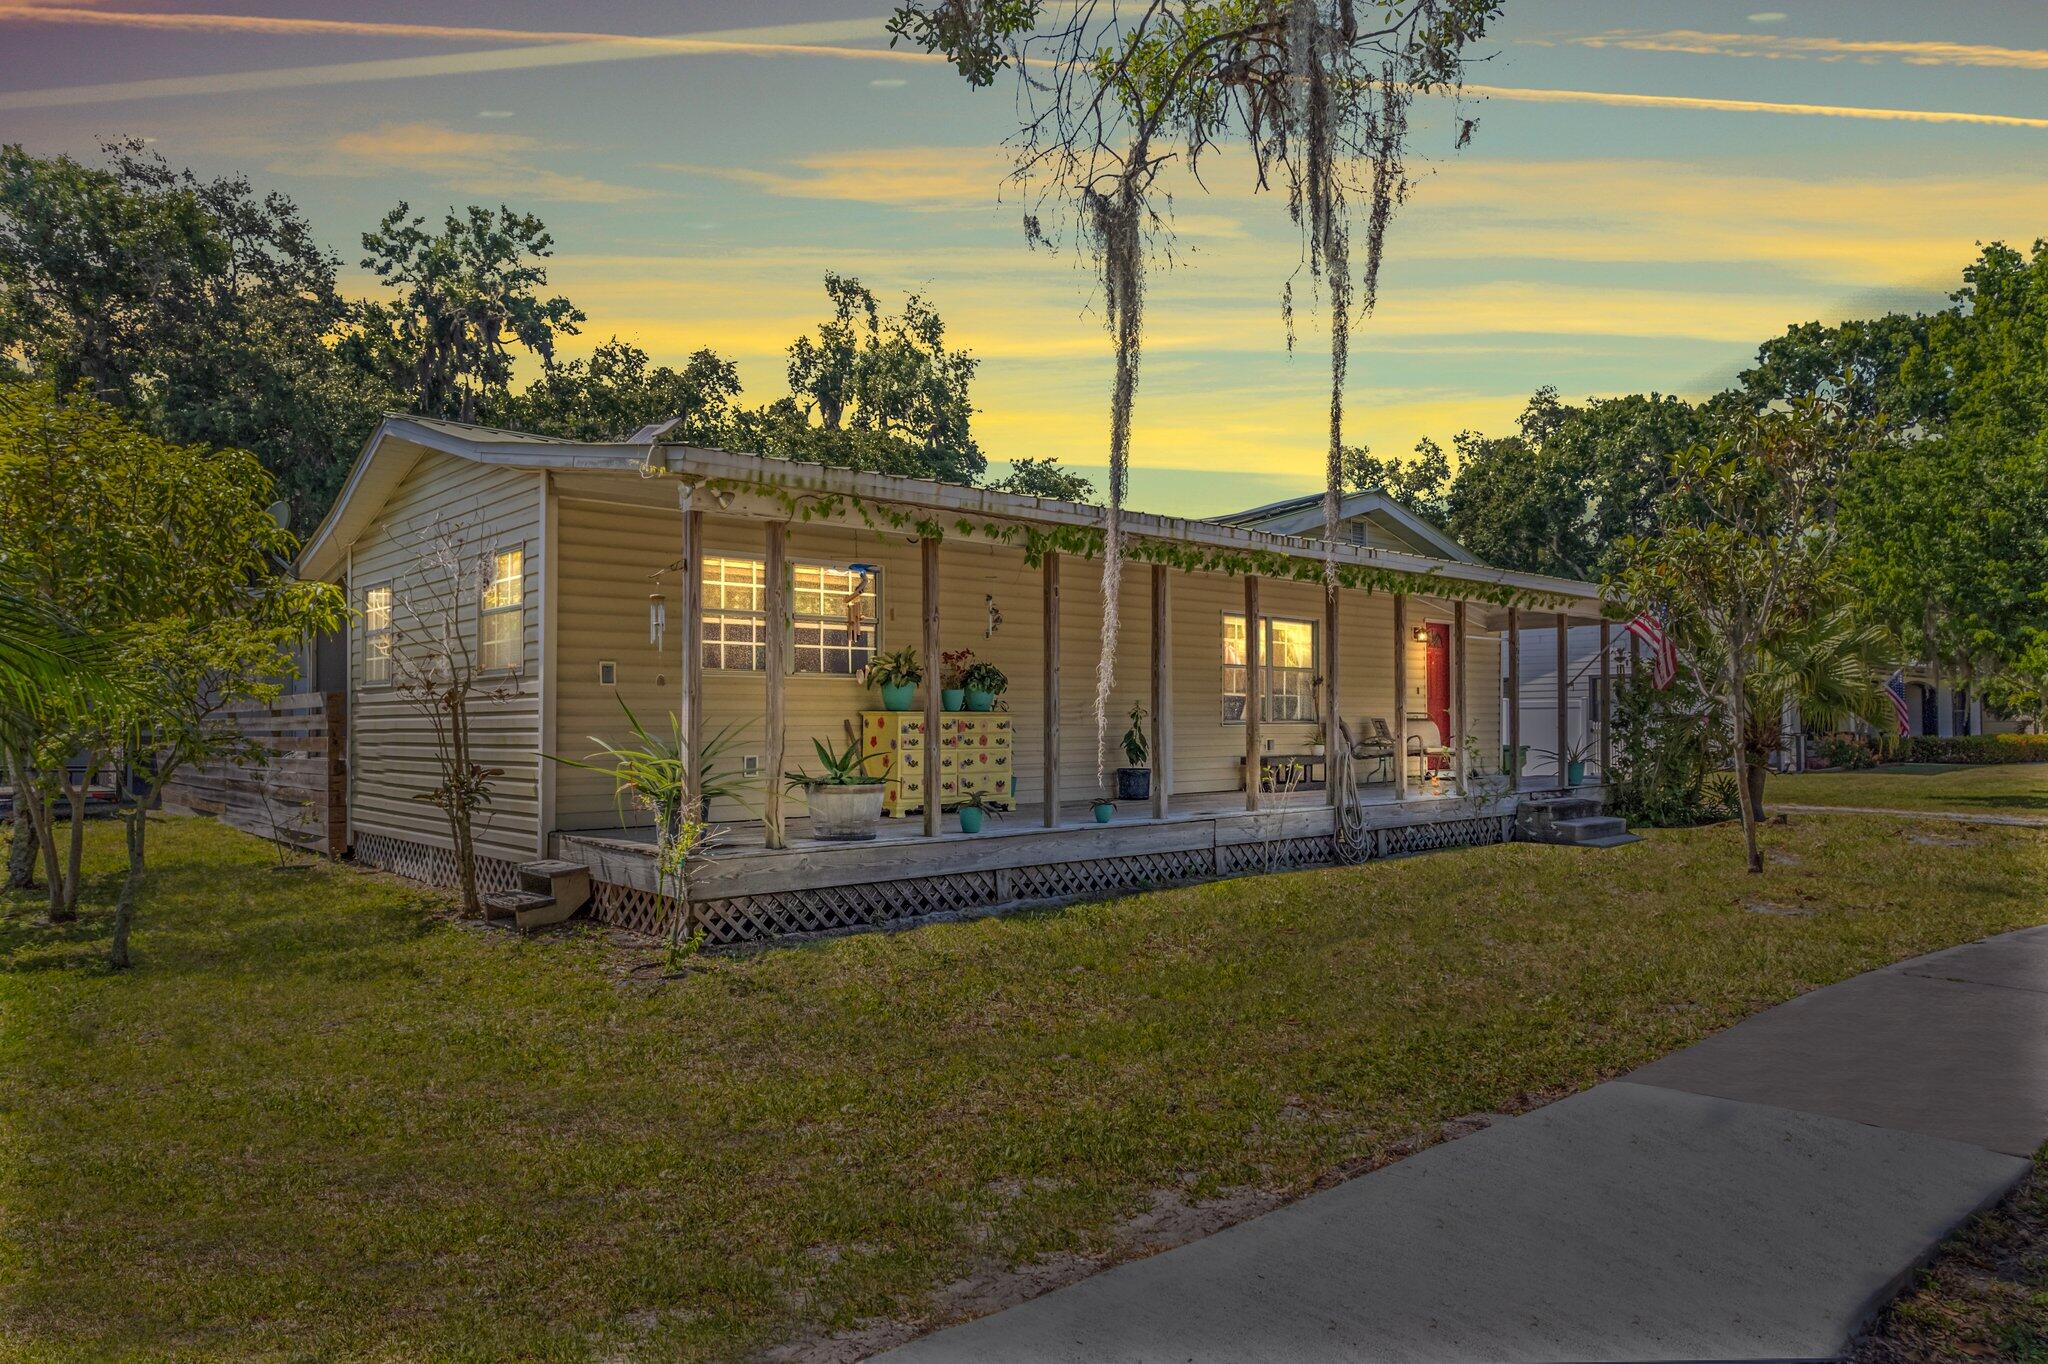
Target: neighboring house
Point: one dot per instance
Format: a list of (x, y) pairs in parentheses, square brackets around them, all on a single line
[(590, 540)]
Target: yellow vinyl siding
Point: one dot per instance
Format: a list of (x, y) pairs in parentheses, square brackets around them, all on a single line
[(392, 748), (613, 556)]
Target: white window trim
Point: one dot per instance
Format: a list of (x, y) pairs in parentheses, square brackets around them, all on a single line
[(386, 632), (484, 613), (791, 565), (1314, 669)]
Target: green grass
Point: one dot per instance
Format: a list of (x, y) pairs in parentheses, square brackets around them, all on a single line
[(320, 1119), (1991, 788)]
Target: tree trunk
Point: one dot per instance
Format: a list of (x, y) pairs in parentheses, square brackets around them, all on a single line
[(1756, 773), (74, 851), (43, 814), (21, 852), (136, 824), (1738, 722)]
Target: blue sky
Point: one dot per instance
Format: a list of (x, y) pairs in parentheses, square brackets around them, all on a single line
[(1654, 188)]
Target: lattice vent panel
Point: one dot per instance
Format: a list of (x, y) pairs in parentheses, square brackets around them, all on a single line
[(820, 909), (637, 911), (1455, 833), (1282, 854), (1109, 875), (431, 865)]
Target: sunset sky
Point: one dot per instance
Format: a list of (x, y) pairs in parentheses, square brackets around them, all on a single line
[(1653, 189)]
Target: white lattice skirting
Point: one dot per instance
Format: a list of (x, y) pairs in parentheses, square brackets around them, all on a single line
[(824, 909), (431, 865)]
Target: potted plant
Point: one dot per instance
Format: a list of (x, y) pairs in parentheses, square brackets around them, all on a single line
[(974, 809), (845, 797), (953, 665), (1104, 809), (983, 683), (1572, 762), (1134, 782), (897, 674)]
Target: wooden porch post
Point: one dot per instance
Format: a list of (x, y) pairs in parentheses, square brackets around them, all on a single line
[(1400, 696), (775, 602), (1514, 698), (1333, 720), (1606, 698), (1051, 767), (690, 713), (1459, 698), (929, 553), (1564, 693), (1162, 690), (1254, 690)]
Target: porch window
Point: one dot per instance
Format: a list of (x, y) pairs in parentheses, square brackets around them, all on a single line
[(833, 617), (1289, 653), (501, 633), (735, 615), (377, 634)]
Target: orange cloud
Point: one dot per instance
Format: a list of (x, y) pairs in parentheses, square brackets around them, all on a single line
[(477, 163), (1785, 46)]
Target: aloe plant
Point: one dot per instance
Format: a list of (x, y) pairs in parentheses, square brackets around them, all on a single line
[(848, 767)]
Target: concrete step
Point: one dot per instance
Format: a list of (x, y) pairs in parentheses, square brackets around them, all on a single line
[(1582, 831)]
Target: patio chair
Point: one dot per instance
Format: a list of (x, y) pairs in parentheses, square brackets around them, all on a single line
[(1375, 746), (1426, 746)]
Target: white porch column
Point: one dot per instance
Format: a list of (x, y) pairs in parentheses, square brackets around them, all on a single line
[(690, 698), (1333, 718), (1400, 696), (1606, 698), (776, 663), (1513, 728), (1254, 689), (1050, 768), (1162, 690), (1459, 700), (1564, 695), (929, 555), (1976, 713), (1944, 710)]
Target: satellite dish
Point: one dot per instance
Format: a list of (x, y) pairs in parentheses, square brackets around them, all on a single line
[(280, 511)]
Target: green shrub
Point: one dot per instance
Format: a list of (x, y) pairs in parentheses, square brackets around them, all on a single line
[(1976, 748), (1668, 750), (1844, 751)]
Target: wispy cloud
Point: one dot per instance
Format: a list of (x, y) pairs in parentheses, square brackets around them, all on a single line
[(541, 49), (1786, 46), (1623, 99), (476, 163)]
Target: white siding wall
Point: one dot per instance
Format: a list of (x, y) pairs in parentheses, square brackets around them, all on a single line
[(610, 555), (392, 749)]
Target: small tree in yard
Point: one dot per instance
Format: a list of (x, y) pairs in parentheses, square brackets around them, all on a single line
[(1745, 566), (437, 671)]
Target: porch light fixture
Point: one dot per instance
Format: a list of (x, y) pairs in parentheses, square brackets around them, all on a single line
[(1420, 634)]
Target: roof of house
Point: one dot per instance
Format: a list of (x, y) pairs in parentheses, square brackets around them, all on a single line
[(400, 441), (1304, 515)]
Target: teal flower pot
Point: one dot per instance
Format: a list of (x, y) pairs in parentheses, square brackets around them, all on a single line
[(1575, 774), (980, 700), (970, 820), (898, 696), (1103, 810), (953, 698)]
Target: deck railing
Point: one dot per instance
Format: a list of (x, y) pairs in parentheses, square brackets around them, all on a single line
[(296, 792)]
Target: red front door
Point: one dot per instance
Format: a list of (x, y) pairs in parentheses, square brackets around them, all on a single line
[(1437, 670)]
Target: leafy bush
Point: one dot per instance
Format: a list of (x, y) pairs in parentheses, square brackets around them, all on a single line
[(1977, 748), (1845, 751), (1668, 753)]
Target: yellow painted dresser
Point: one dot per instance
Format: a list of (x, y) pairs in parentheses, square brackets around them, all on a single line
[(975, 755)]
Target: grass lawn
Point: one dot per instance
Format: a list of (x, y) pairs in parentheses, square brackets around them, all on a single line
[(320, 1119), (1986, 788)]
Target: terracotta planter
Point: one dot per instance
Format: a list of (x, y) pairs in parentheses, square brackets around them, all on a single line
[(844, 814)]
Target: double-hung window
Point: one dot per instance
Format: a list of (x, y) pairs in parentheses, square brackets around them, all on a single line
[(377, 634), (832, 611), (501, 630), (1288, 651)]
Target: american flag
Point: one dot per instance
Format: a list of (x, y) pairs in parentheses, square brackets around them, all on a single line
[(1895, 687), (1649, 627)]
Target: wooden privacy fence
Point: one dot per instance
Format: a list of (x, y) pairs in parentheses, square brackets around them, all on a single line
[(298, 794)]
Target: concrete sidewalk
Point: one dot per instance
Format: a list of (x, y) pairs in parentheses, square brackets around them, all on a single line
[(1757, 1196)]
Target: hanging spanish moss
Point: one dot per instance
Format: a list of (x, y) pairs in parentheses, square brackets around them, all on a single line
[(1320, 99), (1115, 221)]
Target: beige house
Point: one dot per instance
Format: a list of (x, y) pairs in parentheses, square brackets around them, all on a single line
[(745, 595)]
